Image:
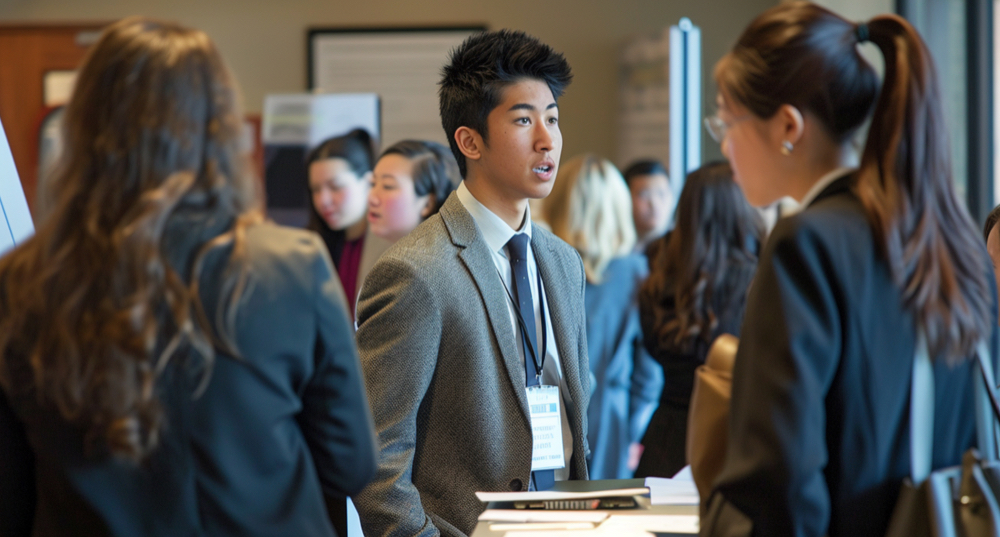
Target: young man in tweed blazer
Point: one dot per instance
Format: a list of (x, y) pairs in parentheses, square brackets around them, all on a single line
[(439, 333)]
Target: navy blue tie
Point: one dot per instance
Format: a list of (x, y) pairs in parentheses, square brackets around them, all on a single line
[(517, 252)]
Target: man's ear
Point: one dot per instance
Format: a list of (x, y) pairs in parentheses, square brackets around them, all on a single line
[(470, 143), (428, 206)]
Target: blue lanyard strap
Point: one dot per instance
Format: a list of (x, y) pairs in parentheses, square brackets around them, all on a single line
[(539, 364)]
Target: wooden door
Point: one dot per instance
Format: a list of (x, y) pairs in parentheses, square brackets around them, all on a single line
[(27, 53)]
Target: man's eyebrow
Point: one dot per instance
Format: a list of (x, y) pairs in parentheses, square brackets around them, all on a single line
[(526, 106)]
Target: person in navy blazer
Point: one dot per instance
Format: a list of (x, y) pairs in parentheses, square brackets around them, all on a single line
[(168, 364), (882, 252)]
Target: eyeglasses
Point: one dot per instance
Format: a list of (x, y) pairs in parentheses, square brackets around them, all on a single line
[(717, 127)]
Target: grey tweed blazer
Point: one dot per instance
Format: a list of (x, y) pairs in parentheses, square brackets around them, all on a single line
[(445, 380)]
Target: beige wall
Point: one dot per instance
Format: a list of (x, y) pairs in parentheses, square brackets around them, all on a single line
[(265, 40), (859, 10)]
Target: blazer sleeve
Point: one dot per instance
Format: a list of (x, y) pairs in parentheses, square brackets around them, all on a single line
[(645, 388), (336, 420), (17, 475), (647, 375), (399, 334), (773, 474)]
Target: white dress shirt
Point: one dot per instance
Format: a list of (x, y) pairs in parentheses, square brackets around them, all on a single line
[(496, 232), (823, 182)]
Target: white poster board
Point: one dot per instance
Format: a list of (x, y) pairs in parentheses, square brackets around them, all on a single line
[(15, 219), (308, 120), (402, 66), (661, 116)]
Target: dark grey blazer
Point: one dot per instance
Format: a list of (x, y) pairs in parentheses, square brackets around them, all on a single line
[(444, 377), (275, 429), (819, 424)]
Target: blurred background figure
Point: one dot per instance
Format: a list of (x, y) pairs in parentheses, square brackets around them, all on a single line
[(410, 183), (652, 201), (340, 173), (168, 363), (589, 208), (992, 237), (696, 291)]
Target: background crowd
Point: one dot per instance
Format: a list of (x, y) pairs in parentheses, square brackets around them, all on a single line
[(155, 326)]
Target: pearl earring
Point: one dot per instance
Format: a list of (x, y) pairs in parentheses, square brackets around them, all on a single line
[(786, 148)]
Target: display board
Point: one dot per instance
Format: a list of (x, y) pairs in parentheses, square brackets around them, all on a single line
[(660, 114), (402, 65), (293, 124), (15, 219)]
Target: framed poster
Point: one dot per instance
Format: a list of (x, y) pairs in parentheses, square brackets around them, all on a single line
[(401, 65)]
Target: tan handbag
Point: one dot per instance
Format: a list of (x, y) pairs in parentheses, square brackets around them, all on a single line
[(708, 417)]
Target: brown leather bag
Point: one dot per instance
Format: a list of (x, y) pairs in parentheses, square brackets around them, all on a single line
[(708, 417)]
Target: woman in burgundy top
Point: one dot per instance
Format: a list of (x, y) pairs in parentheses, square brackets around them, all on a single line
[(340, 173)]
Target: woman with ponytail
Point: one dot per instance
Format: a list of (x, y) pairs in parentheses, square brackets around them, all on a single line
[(883, 251), (169, 365)]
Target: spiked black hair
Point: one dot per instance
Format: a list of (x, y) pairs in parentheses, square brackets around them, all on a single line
[(481, 67)]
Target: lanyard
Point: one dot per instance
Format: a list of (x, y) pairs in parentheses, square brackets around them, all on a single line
[(520, 322)]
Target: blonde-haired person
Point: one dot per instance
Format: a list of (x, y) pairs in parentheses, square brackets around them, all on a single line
[(168, 364), (590, 207)]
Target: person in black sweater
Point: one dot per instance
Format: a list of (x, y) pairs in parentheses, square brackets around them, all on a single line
[(696, 291)]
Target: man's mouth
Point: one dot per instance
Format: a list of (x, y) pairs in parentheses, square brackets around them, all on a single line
[(542, 169)]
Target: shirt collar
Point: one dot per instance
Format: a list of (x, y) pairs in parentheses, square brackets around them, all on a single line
[(821, 185), (496, 232)]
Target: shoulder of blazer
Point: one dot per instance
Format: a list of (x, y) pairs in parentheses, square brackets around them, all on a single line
[(834, 233), (280, 256)]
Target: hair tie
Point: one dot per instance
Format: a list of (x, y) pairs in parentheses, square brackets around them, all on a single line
[(861, 31)]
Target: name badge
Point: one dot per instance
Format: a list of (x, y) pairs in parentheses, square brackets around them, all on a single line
[(546, 428)]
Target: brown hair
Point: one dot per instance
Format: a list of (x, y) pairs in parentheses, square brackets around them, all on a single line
[(703, 269), (92, 309), (806, 56)]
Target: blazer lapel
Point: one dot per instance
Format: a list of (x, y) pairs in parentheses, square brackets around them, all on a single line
[(478, 259), (557, 287)]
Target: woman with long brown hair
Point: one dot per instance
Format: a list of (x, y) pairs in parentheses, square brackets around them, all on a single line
[(882, 252), (696, 291), (168, 364)]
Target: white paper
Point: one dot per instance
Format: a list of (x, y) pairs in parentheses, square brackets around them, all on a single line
[(543, 515), (518, 527), (15, 219), (625, 524), (679, 490), (59, 87), (596, 532), (487, 497), (307, 119)]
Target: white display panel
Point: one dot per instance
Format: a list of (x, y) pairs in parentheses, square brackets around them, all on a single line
[(15, 219), (308, 120), (402, 66)]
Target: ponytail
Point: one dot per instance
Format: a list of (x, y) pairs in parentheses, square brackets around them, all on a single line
[(805, 55), (905, 186)]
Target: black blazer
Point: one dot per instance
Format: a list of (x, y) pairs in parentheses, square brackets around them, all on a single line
[(275, 429), (819, 430)]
